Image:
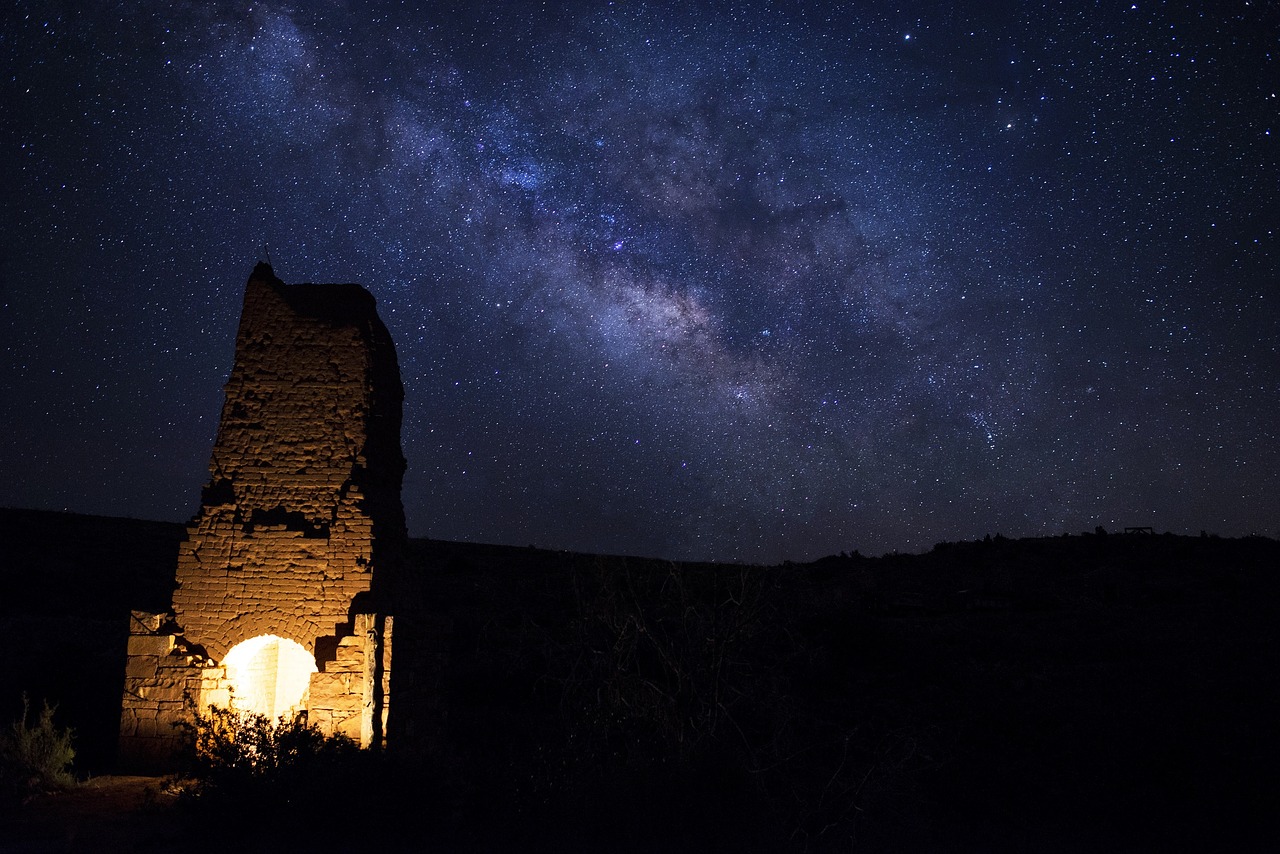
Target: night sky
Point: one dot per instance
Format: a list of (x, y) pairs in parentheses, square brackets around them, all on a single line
[(742, 283)]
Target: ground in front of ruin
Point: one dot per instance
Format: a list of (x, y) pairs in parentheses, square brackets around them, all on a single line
[(105, 814)]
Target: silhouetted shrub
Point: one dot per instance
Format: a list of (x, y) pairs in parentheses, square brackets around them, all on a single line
[(35, 757), (288, 786), (280, 774)]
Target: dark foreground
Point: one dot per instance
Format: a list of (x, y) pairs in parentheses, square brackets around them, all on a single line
[(1084, 693), (105, 814)]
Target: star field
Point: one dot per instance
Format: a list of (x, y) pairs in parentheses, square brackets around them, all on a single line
[(749, 284)]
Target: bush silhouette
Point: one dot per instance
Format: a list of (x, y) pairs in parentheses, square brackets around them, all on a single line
[(35, 757), (258, 767)]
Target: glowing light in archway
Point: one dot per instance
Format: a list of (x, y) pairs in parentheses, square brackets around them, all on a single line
[(269, 675)]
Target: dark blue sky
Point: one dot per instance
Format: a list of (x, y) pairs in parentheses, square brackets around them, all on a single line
[(736, 282)]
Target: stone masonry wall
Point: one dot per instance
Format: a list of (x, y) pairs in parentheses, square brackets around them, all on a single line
[(300, 531), (304, 499), (163, 678), (342, 697)]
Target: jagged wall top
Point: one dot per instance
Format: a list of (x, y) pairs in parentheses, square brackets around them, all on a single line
[(302, 512), (314, 400)]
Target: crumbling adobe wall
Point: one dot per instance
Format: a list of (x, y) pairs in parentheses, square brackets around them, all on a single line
[(304, 499), (300, 529)]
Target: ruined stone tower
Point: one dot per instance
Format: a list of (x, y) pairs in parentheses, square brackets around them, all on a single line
[(280, 602)]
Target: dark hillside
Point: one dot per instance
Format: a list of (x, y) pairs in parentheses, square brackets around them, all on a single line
[(1099, 691), (1093, 692)]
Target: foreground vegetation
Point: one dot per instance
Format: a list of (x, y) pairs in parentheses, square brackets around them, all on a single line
[(35, 755)]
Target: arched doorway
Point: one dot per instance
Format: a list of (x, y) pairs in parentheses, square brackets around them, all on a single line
[(269, 675)]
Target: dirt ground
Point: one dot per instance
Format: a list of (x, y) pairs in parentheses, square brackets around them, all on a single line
[(105, 814)]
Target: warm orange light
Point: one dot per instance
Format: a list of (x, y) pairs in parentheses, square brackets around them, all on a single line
[(269, 676)]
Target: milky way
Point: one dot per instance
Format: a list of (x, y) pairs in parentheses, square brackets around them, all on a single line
[(749, 284)]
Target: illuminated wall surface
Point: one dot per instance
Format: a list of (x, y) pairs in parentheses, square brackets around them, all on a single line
[(299, 519)]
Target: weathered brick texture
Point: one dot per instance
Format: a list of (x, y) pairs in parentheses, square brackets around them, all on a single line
[(303, 504), (163, 677), (300, 526)]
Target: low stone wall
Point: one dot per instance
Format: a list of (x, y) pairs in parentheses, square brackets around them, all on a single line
[(164, 681)]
